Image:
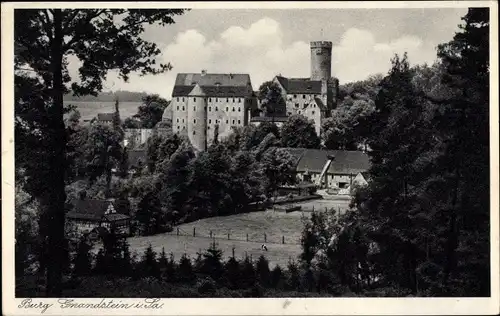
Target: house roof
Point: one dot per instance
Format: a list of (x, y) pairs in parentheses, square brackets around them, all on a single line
[(105, 117), (300, 85), (135, 156), (214, 85), (93, 210), (345, 162)]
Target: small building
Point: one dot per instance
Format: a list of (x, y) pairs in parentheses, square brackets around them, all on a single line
[(89, 216), (137, 136), (337, 169), (105, 118)]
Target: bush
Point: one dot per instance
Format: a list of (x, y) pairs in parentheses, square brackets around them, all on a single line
[(206, 286)]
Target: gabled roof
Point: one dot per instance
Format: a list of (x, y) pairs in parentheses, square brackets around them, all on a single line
[(105, 117), (197, 91), (214, 85), (345, 162), (320, 104), (93, 210), (300, 85)]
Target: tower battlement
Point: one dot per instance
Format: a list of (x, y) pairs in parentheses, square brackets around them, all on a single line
[(321, 44)]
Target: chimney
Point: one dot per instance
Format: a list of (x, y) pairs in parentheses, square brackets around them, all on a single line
[(203, 72)]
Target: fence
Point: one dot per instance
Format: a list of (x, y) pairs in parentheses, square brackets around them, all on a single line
[(238, 236)]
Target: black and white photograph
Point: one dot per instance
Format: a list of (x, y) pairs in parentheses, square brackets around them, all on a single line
[(249, 150)]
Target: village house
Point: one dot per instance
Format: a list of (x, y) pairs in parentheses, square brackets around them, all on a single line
[(105, 118), (136, 136), (331, 169), (95, 217)]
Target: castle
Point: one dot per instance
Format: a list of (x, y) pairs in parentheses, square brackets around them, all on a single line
[(202, 101)]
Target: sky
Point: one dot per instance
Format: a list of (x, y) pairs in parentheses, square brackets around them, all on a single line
[(267, 42)]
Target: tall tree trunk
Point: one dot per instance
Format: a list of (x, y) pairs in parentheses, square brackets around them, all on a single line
[(57, 163)]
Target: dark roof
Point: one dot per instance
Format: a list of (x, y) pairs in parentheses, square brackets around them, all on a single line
[(105, 117), (345, 162), (115, 217), (136, 156), (320, 104), (214, 85), (280, 119), (91, 210), (300, 85)]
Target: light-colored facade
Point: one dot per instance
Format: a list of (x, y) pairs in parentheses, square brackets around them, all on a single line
[(314, 97), (202, 101), (137, 136)]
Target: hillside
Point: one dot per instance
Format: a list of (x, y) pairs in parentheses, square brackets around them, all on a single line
[(123, 96)]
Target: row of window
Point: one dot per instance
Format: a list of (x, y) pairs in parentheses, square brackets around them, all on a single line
[(312, 105), (216, 99), (210, 121), (300, 112), (304, 96), (210, 109)]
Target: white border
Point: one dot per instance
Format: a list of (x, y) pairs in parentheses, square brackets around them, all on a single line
[(261, 306)]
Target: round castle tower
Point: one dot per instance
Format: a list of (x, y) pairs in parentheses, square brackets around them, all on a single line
[(197, 118), (321, 60)]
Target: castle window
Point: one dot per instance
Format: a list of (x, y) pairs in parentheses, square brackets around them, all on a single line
[(227, 109), (312, 112), (227, 99), (216, 99), (177, 108), (227, 121), (299, 112), (194, 121), (183, 108), (177, 99), (182, 99), (194, 132), (233, 100), (178, 127), (239, 121), (209, 121), (239, 100), (182, 120), (209, 99), (295, 96), (209, 109), (233, 108), (216, 109), (208, 127), (194, 108), (303, 96), (233, 121), (194, 99), (177, 120)]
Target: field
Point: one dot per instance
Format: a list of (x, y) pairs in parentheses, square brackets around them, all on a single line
[(89, 110), (274, 225)]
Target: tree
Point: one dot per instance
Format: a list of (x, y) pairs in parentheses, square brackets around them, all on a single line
[(299, 132), (212, 262), (262, 271), (102, 151), (151, 111), (45, 38), (271, 98), (83, 260), (150, 215), (232, 273), (279, 167), (149, 263)]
